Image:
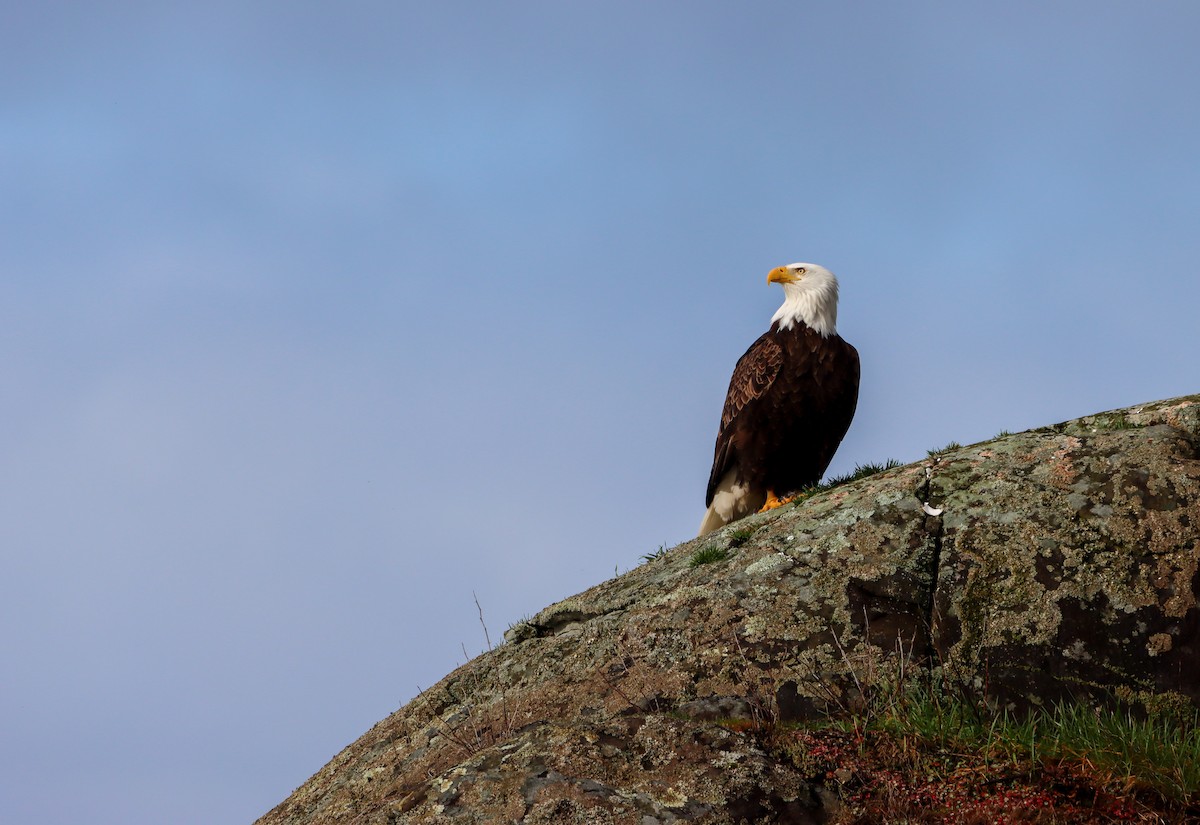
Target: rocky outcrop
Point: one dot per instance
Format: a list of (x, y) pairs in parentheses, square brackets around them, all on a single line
[(1060, 563)]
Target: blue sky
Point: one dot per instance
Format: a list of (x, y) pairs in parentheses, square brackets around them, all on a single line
[(319, 320)]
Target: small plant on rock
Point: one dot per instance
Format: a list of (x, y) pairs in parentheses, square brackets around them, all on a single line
[(707, 555)]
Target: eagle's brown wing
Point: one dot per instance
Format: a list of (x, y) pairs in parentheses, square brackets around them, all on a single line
[(753, 375)]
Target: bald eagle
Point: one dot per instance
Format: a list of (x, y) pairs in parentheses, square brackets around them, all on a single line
[(790, 402)]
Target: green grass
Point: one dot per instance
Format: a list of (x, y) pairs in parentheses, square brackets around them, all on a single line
[(708, 554), (1156, 749), (953, 445), (1115, 422), (860, 471), (1160, 753), (655, 555), (525, 619), (740, 536)]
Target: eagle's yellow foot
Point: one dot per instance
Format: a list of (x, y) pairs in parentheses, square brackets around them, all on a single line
[(774, 501)]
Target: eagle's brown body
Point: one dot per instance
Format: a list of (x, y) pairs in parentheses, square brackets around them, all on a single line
[(790, 402)]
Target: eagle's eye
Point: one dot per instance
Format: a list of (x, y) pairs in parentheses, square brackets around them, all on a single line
[(800, 270)]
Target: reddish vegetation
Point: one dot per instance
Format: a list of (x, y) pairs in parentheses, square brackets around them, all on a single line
[(883, 779)]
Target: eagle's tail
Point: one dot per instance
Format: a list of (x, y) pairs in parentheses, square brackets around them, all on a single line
[(732, 500), (712, 521)]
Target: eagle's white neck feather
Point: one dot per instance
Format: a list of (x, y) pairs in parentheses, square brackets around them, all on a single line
[(813, 299)]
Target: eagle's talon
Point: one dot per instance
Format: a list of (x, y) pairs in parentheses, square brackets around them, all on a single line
[(774, 501)]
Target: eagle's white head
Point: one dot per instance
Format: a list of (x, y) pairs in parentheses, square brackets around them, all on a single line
[(810, 294)]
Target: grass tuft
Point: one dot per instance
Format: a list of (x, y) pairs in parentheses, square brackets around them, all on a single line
[(1115, 422), (708, 555), (953, 445), (740, 536), (655, 555), (860, 471)]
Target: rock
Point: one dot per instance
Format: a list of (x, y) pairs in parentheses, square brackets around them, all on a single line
[(1057, 564)]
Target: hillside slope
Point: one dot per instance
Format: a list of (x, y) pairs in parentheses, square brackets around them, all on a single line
[(1058, 563)]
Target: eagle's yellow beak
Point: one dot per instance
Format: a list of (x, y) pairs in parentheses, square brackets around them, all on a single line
[(782, 275)]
